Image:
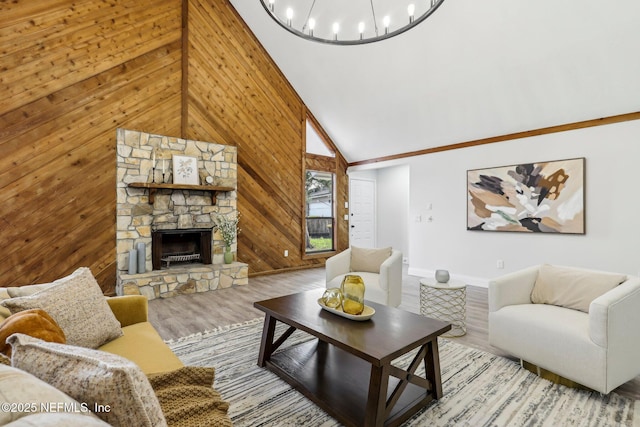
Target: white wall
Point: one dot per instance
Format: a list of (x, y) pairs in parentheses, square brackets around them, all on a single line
[(392, 209), (612, 207)]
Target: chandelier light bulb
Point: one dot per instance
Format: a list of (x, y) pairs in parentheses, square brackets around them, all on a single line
[(312, 25), (386, 21), (289, 15), (271, 4), (361, 29), (412, 11), (336, 30)]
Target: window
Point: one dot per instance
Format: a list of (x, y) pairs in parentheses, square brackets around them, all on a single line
[(320, 221), (320, 171), (315, 143)]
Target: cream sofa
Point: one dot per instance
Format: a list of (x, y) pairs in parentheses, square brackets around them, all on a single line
[(381, 273), (599, 349)]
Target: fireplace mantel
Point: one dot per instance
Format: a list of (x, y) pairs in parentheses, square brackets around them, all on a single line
[(153, 187)]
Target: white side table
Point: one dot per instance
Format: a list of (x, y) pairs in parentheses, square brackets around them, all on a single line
[(446, 302)]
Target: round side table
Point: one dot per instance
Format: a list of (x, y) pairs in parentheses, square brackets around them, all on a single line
[(446, 302)]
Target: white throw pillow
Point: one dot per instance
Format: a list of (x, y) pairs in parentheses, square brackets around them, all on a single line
[(57, 420), (572, 288), (368, 259), (29, 394)]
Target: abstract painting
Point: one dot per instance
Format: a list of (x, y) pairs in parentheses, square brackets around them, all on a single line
[(543, 197)]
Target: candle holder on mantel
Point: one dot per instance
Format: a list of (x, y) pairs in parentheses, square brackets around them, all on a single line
[(166, 173), (157, 176), (153, 167)]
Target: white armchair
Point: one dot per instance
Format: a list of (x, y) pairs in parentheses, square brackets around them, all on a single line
[(599, 349), (384, 287)]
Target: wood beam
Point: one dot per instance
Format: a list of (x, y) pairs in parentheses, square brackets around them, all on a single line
[(508, 137)]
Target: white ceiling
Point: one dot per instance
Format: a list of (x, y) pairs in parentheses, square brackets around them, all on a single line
[(474, 69)]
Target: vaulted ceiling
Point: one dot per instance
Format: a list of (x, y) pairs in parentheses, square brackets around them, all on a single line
[(473, 70)]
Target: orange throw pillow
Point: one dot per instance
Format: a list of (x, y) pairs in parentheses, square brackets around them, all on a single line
[(36, 323)]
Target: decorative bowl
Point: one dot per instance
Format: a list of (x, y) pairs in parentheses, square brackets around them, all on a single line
[(367, 313)]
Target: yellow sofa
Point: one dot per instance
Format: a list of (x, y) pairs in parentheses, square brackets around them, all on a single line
[(140, 343)]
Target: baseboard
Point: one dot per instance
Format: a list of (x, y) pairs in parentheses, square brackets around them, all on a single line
[(469, 280)]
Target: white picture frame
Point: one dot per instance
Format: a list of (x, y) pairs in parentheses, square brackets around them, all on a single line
[(185, 170)]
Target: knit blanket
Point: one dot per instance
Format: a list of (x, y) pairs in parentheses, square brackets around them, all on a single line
[(187, 398)]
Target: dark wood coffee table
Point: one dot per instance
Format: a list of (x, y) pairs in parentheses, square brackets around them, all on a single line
[(347, 370)]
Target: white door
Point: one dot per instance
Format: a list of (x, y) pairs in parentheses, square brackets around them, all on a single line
[(362, 213)]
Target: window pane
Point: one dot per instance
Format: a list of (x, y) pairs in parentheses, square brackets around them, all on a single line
[(315, 144), (319, 211)]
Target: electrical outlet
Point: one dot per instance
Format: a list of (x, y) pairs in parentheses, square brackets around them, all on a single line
[(500, 264), (286, 252)]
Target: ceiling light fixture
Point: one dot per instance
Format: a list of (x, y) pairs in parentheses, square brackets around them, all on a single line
[(349, 23)]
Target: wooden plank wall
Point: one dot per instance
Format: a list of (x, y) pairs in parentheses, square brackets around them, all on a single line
[(72, 71), (237, 96)]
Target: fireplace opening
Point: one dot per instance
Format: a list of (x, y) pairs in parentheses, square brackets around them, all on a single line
[(169, 247)]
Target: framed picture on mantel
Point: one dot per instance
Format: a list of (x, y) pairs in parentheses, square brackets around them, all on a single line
[(541, 197), (185, 170)]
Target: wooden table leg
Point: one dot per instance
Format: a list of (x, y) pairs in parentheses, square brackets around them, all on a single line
[(266, 344), (432, 368), (377, 398)]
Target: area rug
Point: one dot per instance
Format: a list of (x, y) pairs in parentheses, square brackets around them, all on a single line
[(480, 389)]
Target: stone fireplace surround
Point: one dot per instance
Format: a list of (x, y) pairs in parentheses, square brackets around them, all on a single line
[(172, 210)]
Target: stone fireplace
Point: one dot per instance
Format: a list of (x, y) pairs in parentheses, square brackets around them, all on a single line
[(174, 222)]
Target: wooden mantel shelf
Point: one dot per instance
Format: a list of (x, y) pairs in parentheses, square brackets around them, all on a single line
[(153, 187)]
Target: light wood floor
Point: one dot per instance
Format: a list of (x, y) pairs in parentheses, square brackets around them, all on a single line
[(188, 314)]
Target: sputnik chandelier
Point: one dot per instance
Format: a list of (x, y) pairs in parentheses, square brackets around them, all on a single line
[(349, 22)]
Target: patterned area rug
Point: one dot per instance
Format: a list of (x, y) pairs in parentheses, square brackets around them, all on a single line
[(480, 389)]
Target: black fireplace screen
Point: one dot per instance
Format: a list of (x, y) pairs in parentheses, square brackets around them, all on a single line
[(180, 246)]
